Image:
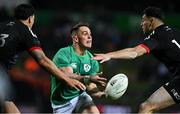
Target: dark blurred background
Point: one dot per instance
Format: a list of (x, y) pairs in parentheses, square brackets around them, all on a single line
[(115, 25)]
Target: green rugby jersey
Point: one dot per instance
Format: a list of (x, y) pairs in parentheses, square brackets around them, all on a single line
[(83, 65)]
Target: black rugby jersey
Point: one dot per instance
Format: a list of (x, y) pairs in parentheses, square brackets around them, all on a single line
[(15, 37), (164, 44)]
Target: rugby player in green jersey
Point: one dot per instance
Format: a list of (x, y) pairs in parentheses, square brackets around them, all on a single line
[(76, 59)]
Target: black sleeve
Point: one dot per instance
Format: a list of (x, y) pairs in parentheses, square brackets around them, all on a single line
[(151, 41)]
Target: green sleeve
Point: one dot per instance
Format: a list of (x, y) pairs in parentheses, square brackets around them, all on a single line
[(95, 68), (61, 59)]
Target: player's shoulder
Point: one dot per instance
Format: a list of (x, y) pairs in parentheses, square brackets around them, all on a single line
[(21, 27), (62, 53), (17, 25), (6, 24), (172, 28), (165, 28), (161, 31), (14, 25), (64, 50)]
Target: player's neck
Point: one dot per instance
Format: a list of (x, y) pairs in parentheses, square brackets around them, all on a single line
[(79, 50), (157, 24)]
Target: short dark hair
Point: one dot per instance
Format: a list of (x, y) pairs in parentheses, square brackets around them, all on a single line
[(153, 12), (76, 27), (23, 11)]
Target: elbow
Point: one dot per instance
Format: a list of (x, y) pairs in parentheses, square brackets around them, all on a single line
[(133, 55), (136, 52)]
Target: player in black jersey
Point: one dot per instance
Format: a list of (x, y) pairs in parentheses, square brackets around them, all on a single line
[(163, 42), (16, 36)]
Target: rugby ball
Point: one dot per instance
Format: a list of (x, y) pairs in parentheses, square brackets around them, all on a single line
[(116, 86)]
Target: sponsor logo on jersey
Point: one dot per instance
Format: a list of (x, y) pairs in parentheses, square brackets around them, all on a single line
[(11, 23), (74, 65), (87, 67), (167, 28), (175, 93)]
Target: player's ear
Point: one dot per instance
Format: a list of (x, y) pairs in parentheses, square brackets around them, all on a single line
[(75, 38), (29, 20), (151, 19)]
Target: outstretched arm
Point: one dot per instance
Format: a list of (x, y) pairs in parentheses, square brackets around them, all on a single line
[(128, 53), (92, 88), (95, 79), (46, 63)]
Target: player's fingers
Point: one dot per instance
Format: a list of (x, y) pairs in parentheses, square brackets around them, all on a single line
[(97, 54), (102, 79), (81, 86), (102, 61), (78, 85), (102, 83), (97, 57)]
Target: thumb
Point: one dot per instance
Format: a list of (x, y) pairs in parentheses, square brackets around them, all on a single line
[(102, 61)]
